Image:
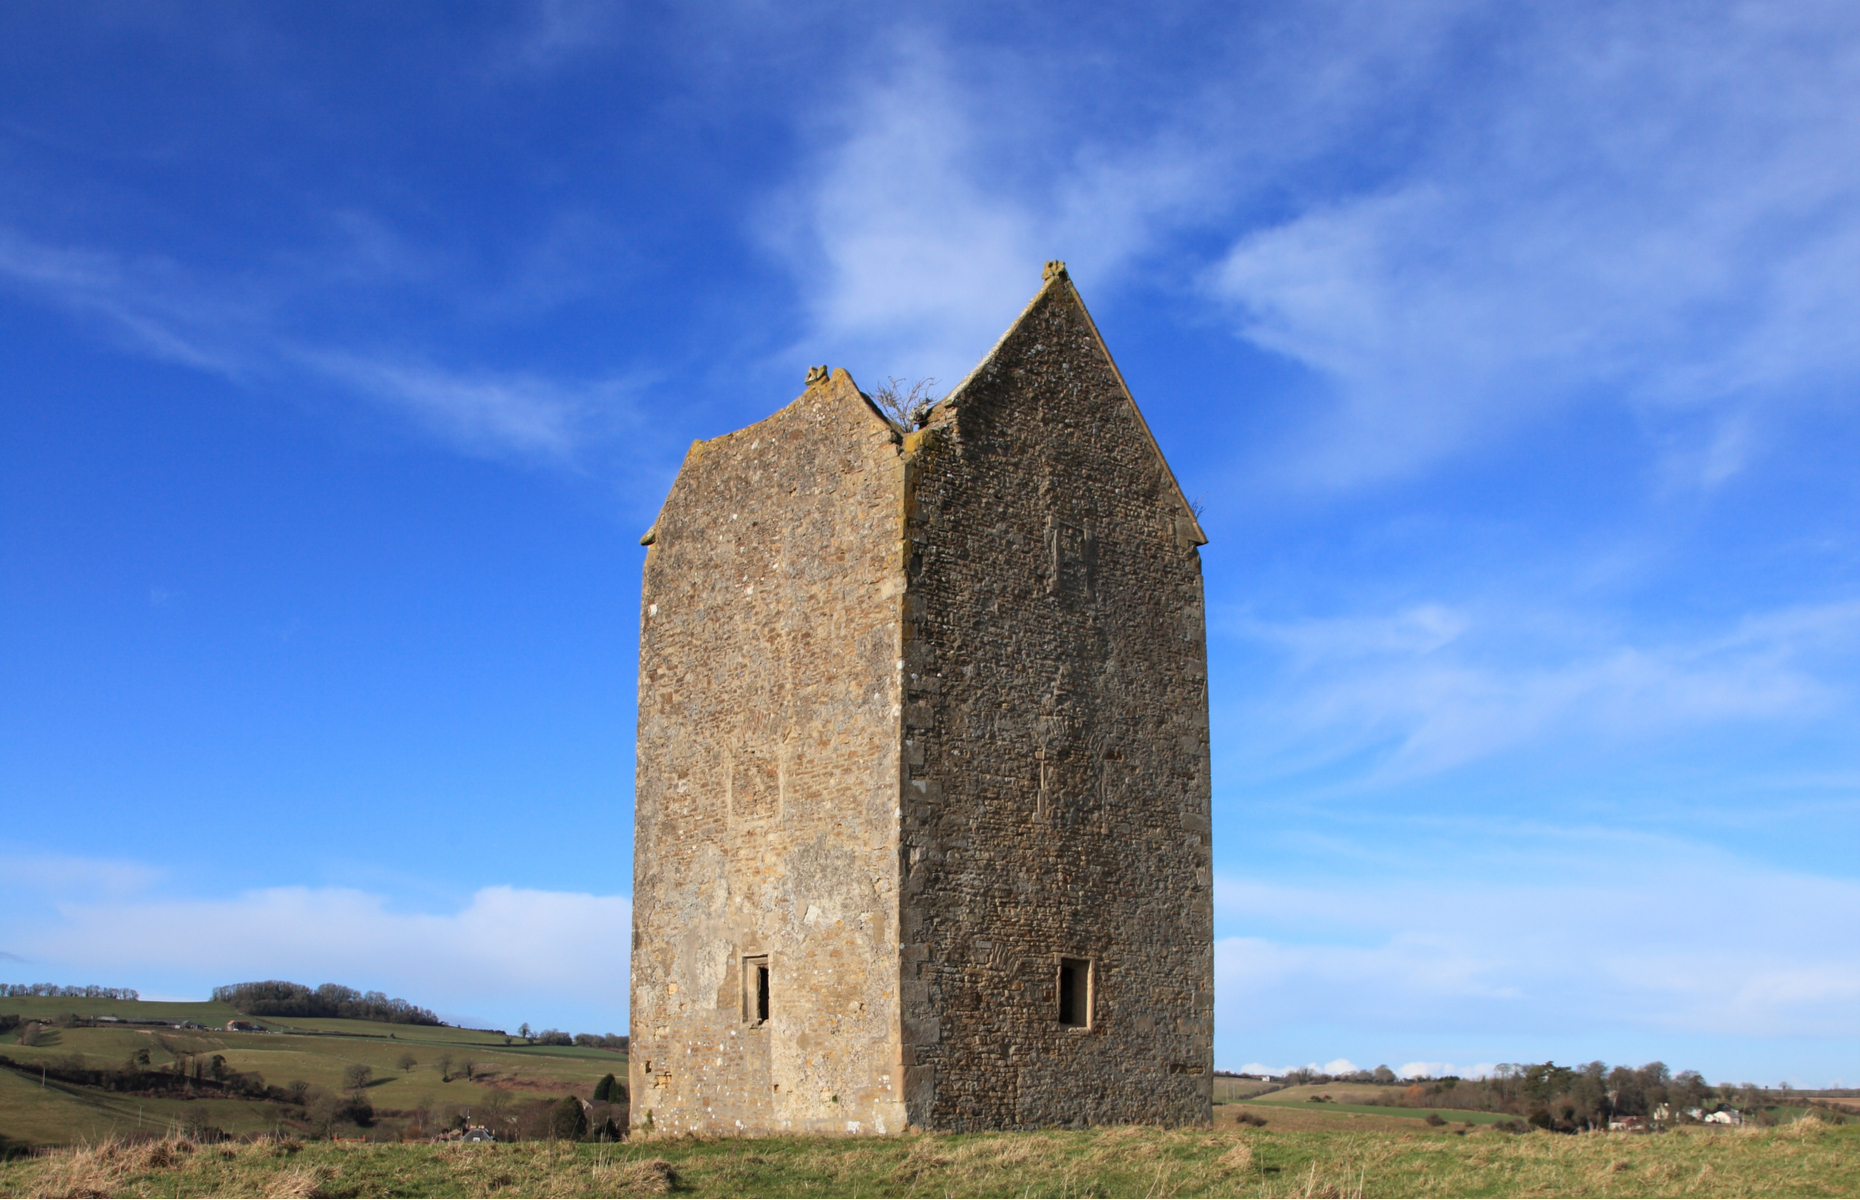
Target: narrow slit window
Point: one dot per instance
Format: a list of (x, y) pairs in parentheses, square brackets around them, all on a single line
[(1075, 993), (756, 989)]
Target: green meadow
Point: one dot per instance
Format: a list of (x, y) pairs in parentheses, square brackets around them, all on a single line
[(1807, 1158), (1360, 1099), (480, 1069)]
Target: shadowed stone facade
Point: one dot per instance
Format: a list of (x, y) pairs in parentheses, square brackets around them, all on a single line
[(922, 831)]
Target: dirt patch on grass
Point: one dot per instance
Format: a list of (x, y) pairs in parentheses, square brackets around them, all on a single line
[(1287, 1118)]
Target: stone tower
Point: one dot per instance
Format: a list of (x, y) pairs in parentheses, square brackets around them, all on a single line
[(922, 809)]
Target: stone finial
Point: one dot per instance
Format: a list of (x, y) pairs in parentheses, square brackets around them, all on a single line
[(1054, 269), (816, 375)]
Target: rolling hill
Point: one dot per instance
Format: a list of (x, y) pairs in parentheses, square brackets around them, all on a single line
[(149, 1066)]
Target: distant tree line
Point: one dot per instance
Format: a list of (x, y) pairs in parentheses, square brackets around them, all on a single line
[(280, 998), (1589, 1095), (187, 1075), (602, 1041), (89, 991), (555, 1037), (1566, 1099)]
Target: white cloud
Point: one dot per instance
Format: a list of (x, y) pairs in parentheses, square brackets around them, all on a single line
[(488, 412), (504, 947), (903, 250), (1448, 685), (555, 32), (1654, 206), (65, 875), (1657, 202), (157, 308), (150, 304), (939, 183), (1595, 934), (1435, 1070)]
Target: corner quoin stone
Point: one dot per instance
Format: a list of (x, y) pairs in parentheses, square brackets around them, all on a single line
[(922, 815)]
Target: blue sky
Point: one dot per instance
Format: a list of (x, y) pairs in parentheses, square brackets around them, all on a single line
[(346, 351)]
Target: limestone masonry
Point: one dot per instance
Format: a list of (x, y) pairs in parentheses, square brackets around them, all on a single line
[(922, 808)]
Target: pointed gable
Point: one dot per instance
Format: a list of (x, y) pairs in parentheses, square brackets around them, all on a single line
[(1058, 304)]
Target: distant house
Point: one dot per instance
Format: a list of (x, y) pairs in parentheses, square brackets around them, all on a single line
[(1725, 1116), (243, 1027), (1628, 1124), (478, 1133)]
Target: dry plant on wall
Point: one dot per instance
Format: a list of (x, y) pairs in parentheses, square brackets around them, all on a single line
[(907, 406)]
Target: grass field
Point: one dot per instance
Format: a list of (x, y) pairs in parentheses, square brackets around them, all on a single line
[(1351, 1099), (1805, 1159), (313, 1051)]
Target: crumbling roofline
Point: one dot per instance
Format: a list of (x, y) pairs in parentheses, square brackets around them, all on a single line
[(839, 380)]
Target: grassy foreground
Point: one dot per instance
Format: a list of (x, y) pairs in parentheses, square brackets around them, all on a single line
[(1803, 1159)]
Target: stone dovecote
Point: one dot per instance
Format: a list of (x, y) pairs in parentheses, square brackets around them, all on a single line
[(922, 834)]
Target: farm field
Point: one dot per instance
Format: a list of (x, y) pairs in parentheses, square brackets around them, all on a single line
[(485, 1068), (1228, 1087), (1373, 1106), (1359, 1100), (1805, 1159)]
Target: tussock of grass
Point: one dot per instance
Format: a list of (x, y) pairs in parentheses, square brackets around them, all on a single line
[(1807, 1158)]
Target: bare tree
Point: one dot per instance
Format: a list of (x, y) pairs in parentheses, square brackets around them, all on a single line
[(355, 1076), (907, 406), (495, 1109), (444, 1065), (406, 1062)]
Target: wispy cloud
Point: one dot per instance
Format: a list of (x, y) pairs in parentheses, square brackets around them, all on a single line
[(1651, 206), (504, 948), (553, 33), (60, 876), (1629, 940), (1435, 1070), (1446, 685), (936, 186), (236, 331), (900, 248), (1654, 203), (489, 412), (149, 304)]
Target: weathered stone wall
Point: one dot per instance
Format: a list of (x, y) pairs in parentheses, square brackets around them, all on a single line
[(1056, 750), (768, 771)]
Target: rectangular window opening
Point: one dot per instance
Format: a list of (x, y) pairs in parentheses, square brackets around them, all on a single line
[(756, 989), (1075, 986)]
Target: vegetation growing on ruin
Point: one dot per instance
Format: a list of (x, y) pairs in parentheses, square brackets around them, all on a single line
[(907, 404)]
